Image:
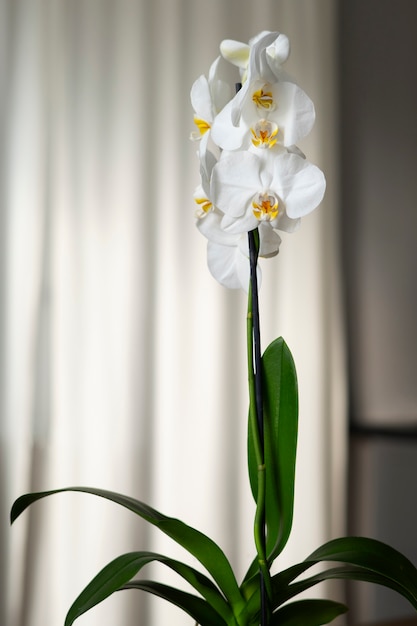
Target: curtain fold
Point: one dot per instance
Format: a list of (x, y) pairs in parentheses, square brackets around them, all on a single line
[(123, 363)]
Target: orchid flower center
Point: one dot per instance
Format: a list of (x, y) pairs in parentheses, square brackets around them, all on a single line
[(263, 98), (265, 207), (264, 134), (202, 125), (205, 207)]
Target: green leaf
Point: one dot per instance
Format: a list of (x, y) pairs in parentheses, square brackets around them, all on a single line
[(122, 569), (308, 613), (365, 559), (199, 609), (280, 434), (196, 543), (347, 572), (377, 558)]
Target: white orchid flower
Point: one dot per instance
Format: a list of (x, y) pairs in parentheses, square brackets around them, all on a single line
[(282, 107), (208, 97), (253, 175), (267, 52), (276, 188), (228, 254)]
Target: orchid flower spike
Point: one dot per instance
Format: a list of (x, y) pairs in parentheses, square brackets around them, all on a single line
[(253, 175)]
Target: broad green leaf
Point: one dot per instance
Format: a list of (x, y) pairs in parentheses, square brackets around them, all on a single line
[(308, 613), (199, 609), (196, 543), (374, 556), (280, 434), (347, 572), (122, 569), (281, 409), (365, 559), (369, 553)]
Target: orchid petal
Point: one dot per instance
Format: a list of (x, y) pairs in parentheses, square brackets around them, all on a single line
[(258, 37), (258, 65), (209, 155), (242, 224), (201, 99), (210, 227), (230, 266), (225, 133), (209, 96), (298, 114), (278, 52), (257, 69), (269, 241), (235, 179), (299, 183), (238, 102), (224, 262), (235, 52), (286, 224), (220, 90), (296, 150)]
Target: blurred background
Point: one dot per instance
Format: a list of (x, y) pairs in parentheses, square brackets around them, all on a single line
[(122, 362), (378, 228)]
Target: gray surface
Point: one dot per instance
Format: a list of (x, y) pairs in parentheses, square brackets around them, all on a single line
[(379, 131), (379, 235), (383, 506)]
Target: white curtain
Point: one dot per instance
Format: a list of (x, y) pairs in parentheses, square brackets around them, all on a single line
[(122, 361)]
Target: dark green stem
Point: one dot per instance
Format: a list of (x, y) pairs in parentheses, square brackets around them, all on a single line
[(257, 423)]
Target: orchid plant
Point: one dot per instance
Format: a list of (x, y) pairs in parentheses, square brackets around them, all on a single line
[(254, 183)]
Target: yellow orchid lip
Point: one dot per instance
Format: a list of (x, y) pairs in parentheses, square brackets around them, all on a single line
[(202, 125), (265, 207), (263, 98), (264, 134), (205, 207)]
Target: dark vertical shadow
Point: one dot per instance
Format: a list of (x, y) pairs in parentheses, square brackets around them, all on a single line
[(378, 58)]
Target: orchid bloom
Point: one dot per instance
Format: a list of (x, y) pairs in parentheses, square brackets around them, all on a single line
[(253, 175), (282, 105), (267, 52), (253, 188), (268, 95), (208, 97)]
